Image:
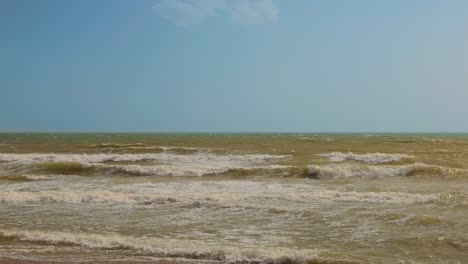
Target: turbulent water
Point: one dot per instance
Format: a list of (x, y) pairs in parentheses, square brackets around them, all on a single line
[(268, 198)]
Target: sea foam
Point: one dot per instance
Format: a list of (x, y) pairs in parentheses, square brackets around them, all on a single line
[(368, 158), (221, 194), (163, 247), (159, 157), (160, 164), (337, 171)]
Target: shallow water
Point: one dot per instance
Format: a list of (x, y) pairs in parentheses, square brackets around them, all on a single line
[(332, 198)]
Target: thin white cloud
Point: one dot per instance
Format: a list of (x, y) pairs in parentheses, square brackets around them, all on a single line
[(186, 13)]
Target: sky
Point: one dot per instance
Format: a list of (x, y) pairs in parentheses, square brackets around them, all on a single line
[(234, 66)]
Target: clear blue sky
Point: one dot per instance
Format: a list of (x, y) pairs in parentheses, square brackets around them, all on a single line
[(234, 65)]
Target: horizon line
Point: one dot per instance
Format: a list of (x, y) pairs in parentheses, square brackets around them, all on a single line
[(234, 132)]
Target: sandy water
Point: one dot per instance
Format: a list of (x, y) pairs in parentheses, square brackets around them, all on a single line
[(270, 198)]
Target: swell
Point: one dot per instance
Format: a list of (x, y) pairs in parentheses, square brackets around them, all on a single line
[(171, 248)]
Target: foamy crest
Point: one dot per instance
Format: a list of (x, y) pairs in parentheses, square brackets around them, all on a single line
[(369, 157), (158, 157), (81, 197), (377, 197), (222, 194), (26, 177), (189, 249), (161, 164), (184, 170), (337, 171)]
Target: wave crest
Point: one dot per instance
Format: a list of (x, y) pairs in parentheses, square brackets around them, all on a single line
[(339, 171), (368, 158), (170, 247), (158, 157), (222, 198), (160, 164)]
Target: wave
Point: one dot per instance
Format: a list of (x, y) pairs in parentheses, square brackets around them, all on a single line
[(368, 158), (121, 145), (171, 248), (190, 170), (26, 177), (160, 164), (184, 150), (338, 171), (82, 197), (158, 157), (141, 146), (223, 198), (183, 170)]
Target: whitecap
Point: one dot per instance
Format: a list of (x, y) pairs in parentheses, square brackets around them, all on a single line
[(163, 247), (338, 171), (369, 157)]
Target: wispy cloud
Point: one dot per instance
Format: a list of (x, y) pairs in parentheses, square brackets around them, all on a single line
[(186, 13)]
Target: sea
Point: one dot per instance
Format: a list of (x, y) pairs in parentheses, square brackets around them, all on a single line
[(234, 198)]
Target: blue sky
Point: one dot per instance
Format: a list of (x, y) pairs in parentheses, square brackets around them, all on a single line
[(234, 65)]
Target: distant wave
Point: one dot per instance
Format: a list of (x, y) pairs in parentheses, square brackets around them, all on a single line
[(171, 248), (369, 157), (138, 146), (122, 145)]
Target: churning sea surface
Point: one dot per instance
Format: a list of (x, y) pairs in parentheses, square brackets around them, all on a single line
[(235, 198)]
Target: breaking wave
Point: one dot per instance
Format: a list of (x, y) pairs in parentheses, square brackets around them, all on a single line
[(368, 158), (160, 164), (223, 198), (82, 197), (171, 149), (158, 157), (148, 170), (163, 247), (26, 177), (191, 170), (338, 171)]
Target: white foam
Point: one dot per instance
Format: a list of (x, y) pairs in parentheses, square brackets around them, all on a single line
[(369, 157), (215, 193), (158, 157), (338, 171), (171, 170), (185, 170), (164, 247), (38, 177), (69, 196), (162, 164), (377, 197)]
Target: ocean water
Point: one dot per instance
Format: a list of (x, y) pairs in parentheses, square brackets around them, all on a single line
[(227, 198)]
